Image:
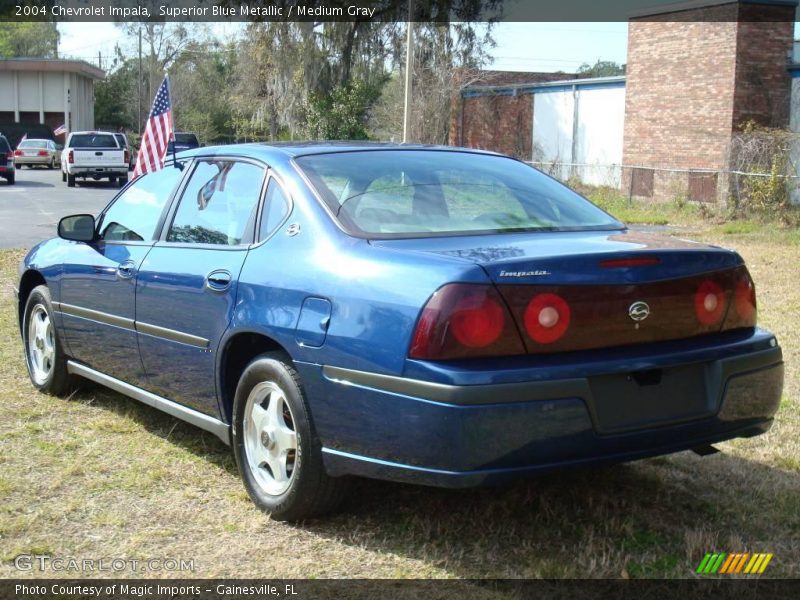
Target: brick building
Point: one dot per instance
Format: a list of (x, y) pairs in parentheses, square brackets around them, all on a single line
[(696, 73)]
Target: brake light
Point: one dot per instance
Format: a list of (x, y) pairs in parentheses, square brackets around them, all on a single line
[(547, 318), (616, 263), (19, 153), (42, 153), (126, 157), (709, 302), (71, 157), (465, 321)]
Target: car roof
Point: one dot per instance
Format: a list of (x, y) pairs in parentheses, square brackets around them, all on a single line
[(297, 149), (35, 140)]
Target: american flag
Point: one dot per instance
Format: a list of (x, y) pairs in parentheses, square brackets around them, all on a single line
[(157, 133), (61, 129)]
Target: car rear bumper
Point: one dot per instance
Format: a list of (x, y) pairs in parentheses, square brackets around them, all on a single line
[(610, 410), (98, 171), (33, 160)]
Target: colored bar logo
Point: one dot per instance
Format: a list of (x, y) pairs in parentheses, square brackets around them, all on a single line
[(742, 563)]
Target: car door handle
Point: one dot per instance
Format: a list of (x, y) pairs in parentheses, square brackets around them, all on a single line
[(126, 270), (218, 280)]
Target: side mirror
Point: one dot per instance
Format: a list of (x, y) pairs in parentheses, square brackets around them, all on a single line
[(77, 228)]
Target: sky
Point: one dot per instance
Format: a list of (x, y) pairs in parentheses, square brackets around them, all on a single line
[(520, 46)]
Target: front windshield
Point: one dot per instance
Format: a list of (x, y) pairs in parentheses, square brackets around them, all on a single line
[(422, 193)]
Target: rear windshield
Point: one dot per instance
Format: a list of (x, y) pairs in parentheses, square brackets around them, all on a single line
[(92, 140), (33, 144), (186, 139), (419, 193)]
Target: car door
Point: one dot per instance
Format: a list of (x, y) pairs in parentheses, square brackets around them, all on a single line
[(97, 292), (186, 287)]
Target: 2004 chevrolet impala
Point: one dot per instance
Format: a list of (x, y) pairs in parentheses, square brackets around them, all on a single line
[(421, 314)]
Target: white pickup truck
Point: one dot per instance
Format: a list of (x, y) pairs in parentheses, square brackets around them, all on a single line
[(96, 155)]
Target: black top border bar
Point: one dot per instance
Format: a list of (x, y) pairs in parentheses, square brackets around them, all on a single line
[(394, 10)]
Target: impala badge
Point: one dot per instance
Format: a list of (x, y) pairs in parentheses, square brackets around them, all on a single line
[(639, 311)]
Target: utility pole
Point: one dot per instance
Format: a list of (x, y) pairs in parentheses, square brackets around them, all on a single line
[(409, 69), (139, 120)]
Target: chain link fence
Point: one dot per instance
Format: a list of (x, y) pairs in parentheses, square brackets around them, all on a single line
[(738, 188)]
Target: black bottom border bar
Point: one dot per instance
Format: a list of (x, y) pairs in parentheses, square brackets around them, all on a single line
[(299, 589)]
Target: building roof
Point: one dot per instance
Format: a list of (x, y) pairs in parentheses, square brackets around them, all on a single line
[(662, 9), (527, 88), (53, 65)]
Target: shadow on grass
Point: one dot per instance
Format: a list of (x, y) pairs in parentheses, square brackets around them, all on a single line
[(652, 518)]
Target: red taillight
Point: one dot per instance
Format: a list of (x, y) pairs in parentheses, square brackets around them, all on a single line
[(743, 310), (71, 157), (42, 153), (465, 321), (709, 302), (547, 318), (19, 153), (744, 299), (127, 157)]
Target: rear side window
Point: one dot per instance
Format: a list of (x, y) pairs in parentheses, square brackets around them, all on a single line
[(134, 215), (219, 204), (276, 207), (92, 140)]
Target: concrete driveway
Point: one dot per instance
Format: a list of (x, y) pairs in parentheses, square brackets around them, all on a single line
[(31, 209)]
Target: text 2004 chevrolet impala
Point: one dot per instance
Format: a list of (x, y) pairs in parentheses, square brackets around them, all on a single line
[(430, 315)]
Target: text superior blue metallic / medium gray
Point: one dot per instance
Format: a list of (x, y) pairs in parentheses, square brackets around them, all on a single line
[(419, 314)]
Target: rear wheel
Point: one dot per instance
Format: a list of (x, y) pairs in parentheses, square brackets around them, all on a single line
[(11, 179), (52, 164), (44, 357), (122, 181), (70, 180), (63, 175), (276, 448)]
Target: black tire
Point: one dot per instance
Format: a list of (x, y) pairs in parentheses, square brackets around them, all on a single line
[(11, 179), (52, 164), (63, 175), (122, 181), (311, 492), (57, 380), (70, 180)]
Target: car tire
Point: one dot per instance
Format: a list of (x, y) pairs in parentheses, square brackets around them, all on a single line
[(52, 164), (122, 181), (63, 176), (70, 180), (273, 432), (11, 179), (44, 355)]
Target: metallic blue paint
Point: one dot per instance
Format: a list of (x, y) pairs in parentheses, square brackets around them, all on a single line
[(329, 299)]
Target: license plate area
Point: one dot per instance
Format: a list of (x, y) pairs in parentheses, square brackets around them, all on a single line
[(651, 398)]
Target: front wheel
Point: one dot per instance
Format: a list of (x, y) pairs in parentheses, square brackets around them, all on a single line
[(276, 448), (45, 359)]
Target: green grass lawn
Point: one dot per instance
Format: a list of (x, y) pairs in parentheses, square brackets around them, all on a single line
[(98, 475)]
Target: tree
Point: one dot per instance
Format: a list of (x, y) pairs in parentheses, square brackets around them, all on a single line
[(29, 40), (602, 68)]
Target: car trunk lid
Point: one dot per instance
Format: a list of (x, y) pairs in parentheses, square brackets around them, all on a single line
[(583, 290)]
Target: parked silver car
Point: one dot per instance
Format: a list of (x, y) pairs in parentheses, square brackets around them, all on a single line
[(37, 152)]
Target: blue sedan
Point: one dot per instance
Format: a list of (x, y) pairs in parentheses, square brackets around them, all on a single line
[(420, 314)]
